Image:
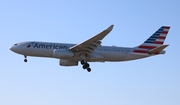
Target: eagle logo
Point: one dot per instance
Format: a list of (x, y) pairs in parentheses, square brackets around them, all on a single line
[(29, 45)]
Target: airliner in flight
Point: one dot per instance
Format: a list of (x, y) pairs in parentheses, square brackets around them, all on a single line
[(91, 50)]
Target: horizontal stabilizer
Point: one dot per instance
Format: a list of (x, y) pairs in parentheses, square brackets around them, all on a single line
[(157, 49)]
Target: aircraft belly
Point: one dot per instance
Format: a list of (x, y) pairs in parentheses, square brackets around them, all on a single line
[(133, 57), (114, 56)]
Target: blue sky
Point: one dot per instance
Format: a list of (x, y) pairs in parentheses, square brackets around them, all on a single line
[(149, 81)]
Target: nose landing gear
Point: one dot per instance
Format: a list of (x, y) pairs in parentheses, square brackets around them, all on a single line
[(85, 65), (25, 58)]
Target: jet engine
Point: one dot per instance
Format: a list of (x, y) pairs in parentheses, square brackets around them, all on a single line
[(63, 62), (62, 53)]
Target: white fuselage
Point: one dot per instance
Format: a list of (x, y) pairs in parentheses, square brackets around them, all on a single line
[(101, 54), (91, 49)]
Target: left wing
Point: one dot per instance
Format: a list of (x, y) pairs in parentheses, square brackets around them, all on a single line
[(88, 46)]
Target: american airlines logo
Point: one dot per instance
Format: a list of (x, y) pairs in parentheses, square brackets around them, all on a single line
[(28, 46), (46, 46)]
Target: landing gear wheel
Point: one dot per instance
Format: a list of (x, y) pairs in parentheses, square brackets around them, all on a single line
[(86, 65), (25, 60), (83, 62), (89, 69)]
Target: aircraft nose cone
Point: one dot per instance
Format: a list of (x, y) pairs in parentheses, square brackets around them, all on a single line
[(12, 48), (15, 49)]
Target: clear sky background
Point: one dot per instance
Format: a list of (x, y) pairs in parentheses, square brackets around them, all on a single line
[(41, 81)]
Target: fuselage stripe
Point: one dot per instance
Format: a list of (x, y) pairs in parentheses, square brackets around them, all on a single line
[(147, 47)]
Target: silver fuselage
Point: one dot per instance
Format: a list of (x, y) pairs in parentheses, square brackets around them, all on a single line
[(45, 49)]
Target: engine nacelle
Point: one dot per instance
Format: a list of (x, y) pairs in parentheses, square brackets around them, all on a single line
[(63, 62), (62, 53)]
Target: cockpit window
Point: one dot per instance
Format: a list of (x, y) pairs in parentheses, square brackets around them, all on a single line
[(15, 44)]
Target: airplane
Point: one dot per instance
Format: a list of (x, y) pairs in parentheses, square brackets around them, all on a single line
[(91, 50)]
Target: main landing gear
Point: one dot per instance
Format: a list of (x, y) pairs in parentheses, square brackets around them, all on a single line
[(25, 58), (85, 65)]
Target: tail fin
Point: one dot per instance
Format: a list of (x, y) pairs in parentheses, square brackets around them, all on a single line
[(159, 36), (156, 40)]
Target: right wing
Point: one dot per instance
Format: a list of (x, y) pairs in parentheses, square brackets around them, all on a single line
[(88, 46)]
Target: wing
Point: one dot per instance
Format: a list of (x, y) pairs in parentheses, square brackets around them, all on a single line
[(91, 44)]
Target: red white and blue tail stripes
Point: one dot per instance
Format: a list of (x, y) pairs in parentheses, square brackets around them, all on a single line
[(154, 41), (159, 36)]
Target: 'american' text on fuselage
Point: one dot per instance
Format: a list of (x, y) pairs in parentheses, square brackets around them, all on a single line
[(49, 46)]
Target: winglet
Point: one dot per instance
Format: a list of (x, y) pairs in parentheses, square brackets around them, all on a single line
[(110, 28), (102, 34)]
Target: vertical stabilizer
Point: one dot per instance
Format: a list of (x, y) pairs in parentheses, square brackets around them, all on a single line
[(156, 40)]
